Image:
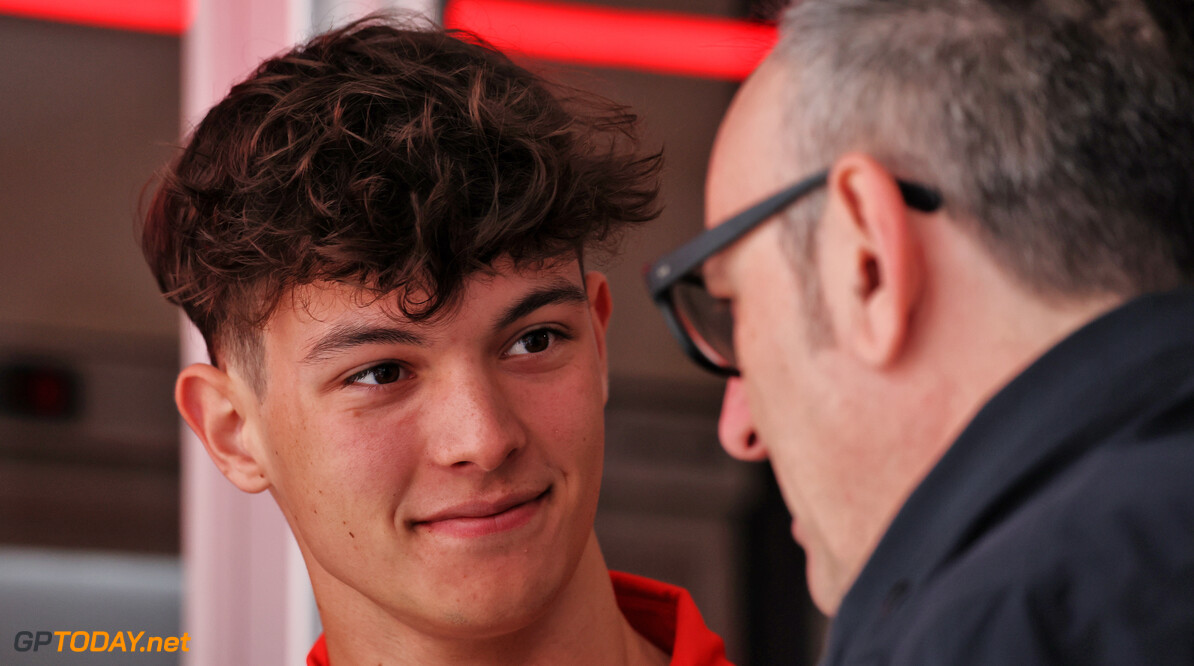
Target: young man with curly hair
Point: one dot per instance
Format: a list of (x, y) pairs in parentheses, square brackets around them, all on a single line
[(380, 235)]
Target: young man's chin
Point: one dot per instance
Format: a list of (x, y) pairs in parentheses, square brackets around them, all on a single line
[(474, 582), (487, 602)]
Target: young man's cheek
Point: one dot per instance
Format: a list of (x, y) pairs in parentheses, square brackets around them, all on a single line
[(341, 457)]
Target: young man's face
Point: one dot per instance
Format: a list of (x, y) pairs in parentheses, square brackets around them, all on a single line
[(447, 472)]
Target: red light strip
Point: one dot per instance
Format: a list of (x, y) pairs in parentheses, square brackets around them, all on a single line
[(661, 42), (166, 17)]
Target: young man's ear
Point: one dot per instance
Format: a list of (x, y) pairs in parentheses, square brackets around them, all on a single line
[(870, 260), (215, 409), (601, 306)]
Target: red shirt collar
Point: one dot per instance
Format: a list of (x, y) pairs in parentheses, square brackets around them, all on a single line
[(664, 614)]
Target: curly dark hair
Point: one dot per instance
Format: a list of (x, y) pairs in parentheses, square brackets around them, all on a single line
[(384, 158)]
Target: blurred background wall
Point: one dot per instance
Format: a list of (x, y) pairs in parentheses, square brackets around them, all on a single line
[(89, 452)]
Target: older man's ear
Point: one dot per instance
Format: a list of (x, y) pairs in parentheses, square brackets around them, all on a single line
[(870, 260), (215, 406)]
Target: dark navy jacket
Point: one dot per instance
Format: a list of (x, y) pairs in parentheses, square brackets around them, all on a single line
[(1059, 527)]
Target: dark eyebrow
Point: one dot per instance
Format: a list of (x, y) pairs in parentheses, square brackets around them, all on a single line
[(557, 292), (347, 336)]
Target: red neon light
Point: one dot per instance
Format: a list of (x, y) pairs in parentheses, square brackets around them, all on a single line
[(663, 42), (167, 17)]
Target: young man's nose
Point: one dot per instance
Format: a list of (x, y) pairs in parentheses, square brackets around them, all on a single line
[(736, 428), (476, 425)]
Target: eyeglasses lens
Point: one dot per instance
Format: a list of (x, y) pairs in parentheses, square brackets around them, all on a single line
[(707, 320)]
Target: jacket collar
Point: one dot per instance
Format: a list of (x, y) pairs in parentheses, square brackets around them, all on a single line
[(1100, 379)]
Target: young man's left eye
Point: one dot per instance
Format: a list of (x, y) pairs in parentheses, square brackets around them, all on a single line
[(535, 342), (383, 373)]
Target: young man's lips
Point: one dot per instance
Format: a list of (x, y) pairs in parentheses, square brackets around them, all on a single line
[(482, 517)]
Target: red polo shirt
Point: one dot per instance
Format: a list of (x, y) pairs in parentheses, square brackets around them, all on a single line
[(663, 614), (667, 616)]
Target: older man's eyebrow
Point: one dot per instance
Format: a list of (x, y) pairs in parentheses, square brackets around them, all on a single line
[(551, 294), (343, 337)]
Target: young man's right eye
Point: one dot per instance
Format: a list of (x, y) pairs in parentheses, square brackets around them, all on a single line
[(383, 373)]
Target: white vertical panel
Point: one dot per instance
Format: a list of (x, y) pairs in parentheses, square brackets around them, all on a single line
[(247, 598), (331, 13), (429, 8), (327, 14)]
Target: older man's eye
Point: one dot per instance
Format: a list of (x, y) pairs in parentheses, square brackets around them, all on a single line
[(383, 373), (535, 342)]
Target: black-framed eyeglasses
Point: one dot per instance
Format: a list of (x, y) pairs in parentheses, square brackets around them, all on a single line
[(703, 324)]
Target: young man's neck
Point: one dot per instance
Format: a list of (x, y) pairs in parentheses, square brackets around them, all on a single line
[(582, 626)]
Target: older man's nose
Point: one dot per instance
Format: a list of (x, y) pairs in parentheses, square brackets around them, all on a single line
[(736, 428)]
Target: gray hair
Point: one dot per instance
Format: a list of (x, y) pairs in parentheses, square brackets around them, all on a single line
[(1061, 132)]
